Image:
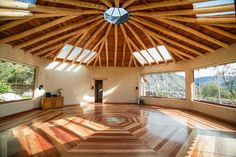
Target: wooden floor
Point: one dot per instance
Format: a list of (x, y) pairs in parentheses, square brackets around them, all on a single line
[(115, 131)]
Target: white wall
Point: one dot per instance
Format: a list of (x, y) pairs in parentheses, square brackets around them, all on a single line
[(119, 83)]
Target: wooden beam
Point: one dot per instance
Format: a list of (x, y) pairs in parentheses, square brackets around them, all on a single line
[(167, 3), (14, 13), (55, 46), (13, 24), (139, 40), (107, 2), (226, 25), (103, 39), (171, 33), (58, 31), (107, 55), (116, 43), (123, 57), (99, 30), (204, 20), (149, 32), (47, 9), (99, 52), (206, 10), (78, 32), (128, 42), (93, 49), (50, 53), (75, 45), (193, 31), (36, 29), (127, 3), (55, 57), (155, 46), (117, 3), (80, 4), (220, 31)]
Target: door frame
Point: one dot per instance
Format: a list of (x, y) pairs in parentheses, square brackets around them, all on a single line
[(96, 92)]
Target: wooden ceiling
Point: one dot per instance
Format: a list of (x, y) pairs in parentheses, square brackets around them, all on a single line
[(50, 24)]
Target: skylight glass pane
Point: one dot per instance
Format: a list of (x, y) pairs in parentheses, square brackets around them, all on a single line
[(155, 54), (65, 50), (164, 52), (110, 11), (216, 14), (92, 54), (116, 12), (27, 1), (122, 11), (85, 52), (147, 56), (139, 57), (74, 53), (212, 3)]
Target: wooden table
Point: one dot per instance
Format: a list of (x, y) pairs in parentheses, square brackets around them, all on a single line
[(52, 102)]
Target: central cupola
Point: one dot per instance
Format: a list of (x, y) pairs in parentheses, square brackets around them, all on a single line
[(116, 15)]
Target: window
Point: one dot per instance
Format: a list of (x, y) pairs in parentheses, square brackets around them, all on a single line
[(16, 81), (216, 84), (170, 85)]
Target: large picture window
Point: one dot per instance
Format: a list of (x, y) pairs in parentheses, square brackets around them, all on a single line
[(170, 85), (16, 81), (216, 84)]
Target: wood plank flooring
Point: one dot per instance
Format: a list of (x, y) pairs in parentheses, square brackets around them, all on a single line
[(102, 130)]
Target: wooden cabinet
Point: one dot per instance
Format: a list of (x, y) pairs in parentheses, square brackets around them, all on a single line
[(52, 102)]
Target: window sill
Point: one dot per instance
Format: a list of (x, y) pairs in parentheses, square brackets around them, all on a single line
[(13, 101), (214, 104), (164, 97)]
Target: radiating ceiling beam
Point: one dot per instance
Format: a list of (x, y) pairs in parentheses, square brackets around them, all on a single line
[(123, 56), (171, 33), (148, 31), (107, 2), (116, 43), (193, 31), (127, 3), (78, 32), (80, 4), (58, 31), (36, 29), (206, 10), (220, 31), (117, 3), (167, 3), (204, 20), (107, 53), (139, 40), (13, 24)]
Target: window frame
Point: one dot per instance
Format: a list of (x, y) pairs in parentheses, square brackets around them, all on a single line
[(193, 81), (34, 82), (161, 72)]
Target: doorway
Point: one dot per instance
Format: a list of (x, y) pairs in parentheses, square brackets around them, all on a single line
[(98, 91)]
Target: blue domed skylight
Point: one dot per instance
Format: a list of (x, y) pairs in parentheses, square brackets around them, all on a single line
[(116, 15)]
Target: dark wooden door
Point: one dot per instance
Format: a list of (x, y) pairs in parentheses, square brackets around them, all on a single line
[(98, 91)]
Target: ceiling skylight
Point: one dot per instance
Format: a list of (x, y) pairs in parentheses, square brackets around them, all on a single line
[(116, 15), (213, 4), (65, 50), (85, 52), (77, 50), (91, 55), (147, 56), (139, 58), (164, 52), (155, 54), (74, 53)]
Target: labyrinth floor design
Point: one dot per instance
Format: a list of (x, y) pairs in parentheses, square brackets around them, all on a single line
[(124, 130)]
